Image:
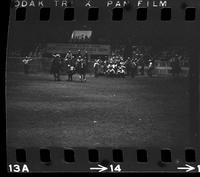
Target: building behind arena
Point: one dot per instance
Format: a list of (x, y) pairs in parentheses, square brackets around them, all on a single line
[(82, 40), (42, 54)]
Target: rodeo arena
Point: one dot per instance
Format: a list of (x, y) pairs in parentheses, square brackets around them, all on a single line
[(82, 58), (83, 93)]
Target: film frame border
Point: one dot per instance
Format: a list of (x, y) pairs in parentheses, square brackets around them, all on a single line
[(179, 153)]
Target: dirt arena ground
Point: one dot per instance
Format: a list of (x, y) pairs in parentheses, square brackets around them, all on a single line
[(137, 112)]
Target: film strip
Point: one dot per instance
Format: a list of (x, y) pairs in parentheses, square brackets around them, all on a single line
[(102, 160), (117, 14), (103, 86)]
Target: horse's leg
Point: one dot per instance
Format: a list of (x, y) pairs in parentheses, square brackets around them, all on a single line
[(84, 76), (70, 77), (58, 74), (81, 77), (54, 75)]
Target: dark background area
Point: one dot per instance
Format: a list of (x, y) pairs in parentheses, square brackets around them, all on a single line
[(26, 34)]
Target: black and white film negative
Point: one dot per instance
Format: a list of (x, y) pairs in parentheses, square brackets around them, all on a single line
[(103, 86)]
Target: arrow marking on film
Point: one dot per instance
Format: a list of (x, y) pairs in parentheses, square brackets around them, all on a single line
[(187, 168), (100, 168)]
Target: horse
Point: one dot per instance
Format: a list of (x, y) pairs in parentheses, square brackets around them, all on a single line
[(82, 69), (176, 68), (96, 67), (56, 68)]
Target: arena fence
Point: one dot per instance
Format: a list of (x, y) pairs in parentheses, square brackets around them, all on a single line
[(43, 65), (37, 65)]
